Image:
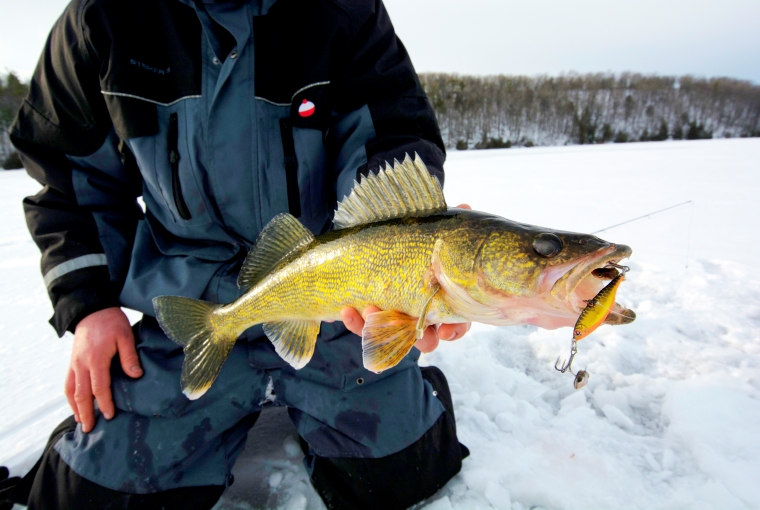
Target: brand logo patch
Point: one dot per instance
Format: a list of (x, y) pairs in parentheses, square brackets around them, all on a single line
[(152, 69), (306, 109)]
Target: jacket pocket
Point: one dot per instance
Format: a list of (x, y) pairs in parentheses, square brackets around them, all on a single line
[(171, 144), (172, 190)]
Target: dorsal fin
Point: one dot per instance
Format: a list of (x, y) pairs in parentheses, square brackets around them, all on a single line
[(282, 238), (407, 189)]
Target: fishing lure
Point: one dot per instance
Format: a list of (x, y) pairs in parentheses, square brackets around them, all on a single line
[(593, 316), (581, 378), (597, 309)]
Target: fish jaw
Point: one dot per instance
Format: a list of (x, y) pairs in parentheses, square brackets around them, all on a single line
[(563, 293), (559, 299), (573, 288)]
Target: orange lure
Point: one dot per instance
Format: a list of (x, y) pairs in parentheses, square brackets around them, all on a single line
[(597, 309)]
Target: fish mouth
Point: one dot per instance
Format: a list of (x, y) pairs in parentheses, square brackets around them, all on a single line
[(578, 285)]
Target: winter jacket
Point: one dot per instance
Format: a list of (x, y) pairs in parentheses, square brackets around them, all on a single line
[(221, 115)]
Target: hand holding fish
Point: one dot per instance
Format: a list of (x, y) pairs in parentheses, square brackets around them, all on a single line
[(396, 246), (354, 322), (97, 339)]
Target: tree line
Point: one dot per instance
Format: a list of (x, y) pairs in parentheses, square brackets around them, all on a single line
[(481, 112), (12, 93), (502, 111)]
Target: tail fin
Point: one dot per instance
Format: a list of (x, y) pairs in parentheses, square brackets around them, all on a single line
[(189, 323)]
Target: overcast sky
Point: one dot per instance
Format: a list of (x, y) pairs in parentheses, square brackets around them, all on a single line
[(700, 37)]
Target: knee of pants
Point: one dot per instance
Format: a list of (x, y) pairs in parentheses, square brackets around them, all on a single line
[(398, 480), (53, 485)]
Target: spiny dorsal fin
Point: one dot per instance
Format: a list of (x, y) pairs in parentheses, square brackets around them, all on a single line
[(282, 238), (407, 189)]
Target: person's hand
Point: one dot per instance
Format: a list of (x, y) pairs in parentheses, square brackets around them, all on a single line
[(97, 339), (354, 322)]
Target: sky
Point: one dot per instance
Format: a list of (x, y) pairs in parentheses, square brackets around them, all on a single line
[(670, 37)]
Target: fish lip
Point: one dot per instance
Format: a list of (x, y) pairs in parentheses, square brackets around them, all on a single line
[(564, 287)]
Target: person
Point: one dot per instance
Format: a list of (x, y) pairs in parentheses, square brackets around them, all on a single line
[(221, 115)]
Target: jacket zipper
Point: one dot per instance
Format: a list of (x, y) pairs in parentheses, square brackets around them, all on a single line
[(179, 201)]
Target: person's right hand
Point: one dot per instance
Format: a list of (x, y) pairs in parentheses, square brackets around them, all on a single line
[(97, 339)]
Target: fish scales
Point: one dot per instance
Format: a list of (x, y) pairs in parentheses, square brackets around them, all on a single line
[(382, 265), (396, 246)]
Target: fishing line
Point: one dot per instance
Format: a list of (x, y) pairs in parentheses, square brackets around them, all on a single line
[(644, 216), (688, 233)]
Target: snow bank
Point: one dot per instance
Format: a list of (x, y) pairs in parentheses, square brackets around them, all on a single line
[(669, 418)]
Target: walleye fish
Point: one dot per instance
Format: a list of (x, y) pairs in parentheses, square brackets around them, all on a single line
[(396, 245)]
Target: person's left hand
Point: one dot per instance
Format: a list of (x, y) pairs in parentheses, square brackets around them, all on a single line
[(354, 322)]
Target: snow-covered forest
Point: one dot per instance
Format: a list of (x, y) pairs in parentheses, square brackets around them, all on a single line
[(487, 112), (501, 111), (12, 92)]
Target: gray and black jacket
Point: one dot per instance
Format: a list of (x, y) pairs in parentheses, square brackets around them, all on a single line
[(221, 116)]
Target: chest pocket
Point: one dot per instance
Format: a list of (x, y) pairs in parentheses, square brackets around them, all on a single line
[(170, 171)]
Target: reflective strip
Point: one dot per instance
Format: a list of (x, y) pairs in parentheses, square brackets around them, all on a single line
[(308, 87), (122, 94), (294, 95), (97, 259), (272, 102)]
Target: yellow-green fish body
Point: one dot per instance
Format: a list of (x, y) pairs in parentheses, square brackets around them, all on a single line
[(397, 247)]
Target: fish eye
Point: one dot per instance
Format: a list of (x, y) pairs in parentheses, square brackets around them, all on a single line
[(547, 245)]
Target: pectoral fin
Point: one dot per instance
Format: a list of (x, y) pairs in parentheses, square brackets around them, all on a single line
[(386, 338), (389, 336), (294, 341)]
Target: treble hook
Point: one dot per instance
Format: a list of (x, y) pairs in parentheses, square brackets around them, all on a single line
[(624, 269), (567, 366), (581, 377)]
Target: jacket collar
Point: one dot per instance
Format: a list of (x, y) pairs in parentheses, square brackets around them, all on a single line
[(258, 7)]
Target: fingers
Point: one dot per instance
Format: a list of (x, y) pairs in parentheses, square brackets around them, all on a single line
[(101, 388), (68, 390), (130, 362), (464, 206), (353, 320), (449, 332), (83, 398), (97, 339), (369, 310), (446, 332), (429, 340)]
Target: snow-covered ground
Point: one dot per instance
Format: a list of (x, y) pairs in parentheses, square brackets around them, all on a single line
[(670, 417)]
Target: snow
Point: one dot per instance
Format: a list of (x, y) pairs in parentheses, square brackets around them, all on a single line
[(669, 418)]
